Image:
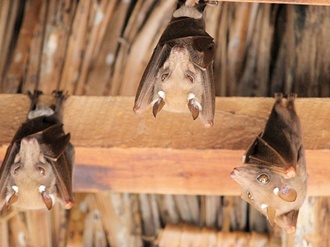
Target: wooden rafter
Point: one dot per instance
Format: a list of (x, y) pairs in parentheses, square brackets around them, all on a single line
[(120, 151)]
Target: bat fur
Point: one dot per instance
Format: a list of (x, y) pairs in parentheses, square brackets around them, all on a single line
[(179, 75), (37, 168), (273, 177)]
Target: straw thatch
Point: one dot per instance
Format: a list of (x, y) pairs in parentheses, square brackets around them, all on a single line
[(101, 47)]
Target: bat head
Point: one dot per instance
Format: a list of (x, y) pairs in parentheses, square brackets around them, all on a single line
[(32, 183), (276, 197), (179, 87)]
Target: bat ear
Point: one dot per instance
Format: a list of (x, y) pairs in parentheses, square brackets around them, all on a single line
[(287, 194), (271, 214)]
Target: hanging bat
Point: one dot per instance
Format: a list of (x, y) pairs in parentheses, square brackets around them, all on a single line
[(37, 168), (179, 75), (273, 177)]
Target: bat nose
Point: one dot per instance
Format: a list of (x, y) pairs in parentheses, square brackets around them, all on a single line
[(179, 49), (28, 141), (234, 172)]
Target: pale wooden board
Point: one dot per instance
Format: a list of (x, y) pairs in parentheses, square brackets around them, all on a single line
[(172, 154), (110, 122), (303, 2), (173, 171)]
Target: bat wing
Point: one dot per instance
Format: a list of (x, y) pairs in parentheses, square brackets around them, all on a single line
[(62, 168), (208, 99), (146, 87), (59, 151), (12, 150), (261, 153), (53, 140)]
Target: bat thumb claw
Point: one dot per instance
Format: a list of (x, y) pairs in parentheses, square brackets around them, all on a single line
[(193, 108), (47, 200), (158, 105)]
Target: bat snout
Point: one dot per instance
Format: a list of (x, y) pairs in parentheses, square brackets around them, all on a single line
[(29, 141), (234, 173)]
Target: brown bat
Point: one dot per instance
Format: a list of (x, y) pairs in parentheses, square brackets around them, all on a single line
[(179, 75), (37, 168), (273, 177)]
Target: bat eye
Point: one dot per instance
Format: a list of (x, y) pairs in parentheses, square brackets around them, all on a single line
[(16, 169), (164, 76), (190, 77), (250, 195), (41, 170), (263, 178)]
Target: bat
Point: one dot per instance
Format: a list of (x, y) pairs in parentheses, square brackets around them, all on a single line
[(179, 75), (37, 168), (273, 177)]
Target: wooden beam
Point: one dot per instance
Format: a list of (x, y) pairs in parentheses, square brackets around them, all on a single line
[(302, 2), (173, 171), (110, 122), (119, 151)]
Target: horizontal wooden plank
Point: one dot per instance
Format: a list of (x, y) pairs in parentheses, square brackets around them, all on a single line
[(303, 2), (173, 171), (110, 122), (120, 151)]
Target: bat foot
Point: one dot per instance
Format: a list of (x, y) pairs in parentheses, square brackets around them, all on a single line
[(291, 97), (60, 98), (278, 97), (34, 97)]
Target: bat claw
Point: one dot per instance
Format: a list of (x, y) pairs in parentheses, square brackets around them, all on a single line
[(34, 98), (278, 97), (46, 197), (158, 105), (193, 109)]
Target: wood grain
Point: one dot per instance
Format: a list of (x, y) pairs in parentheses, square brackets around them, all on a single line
[(173, 171), (119, 151), (110, 122)]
